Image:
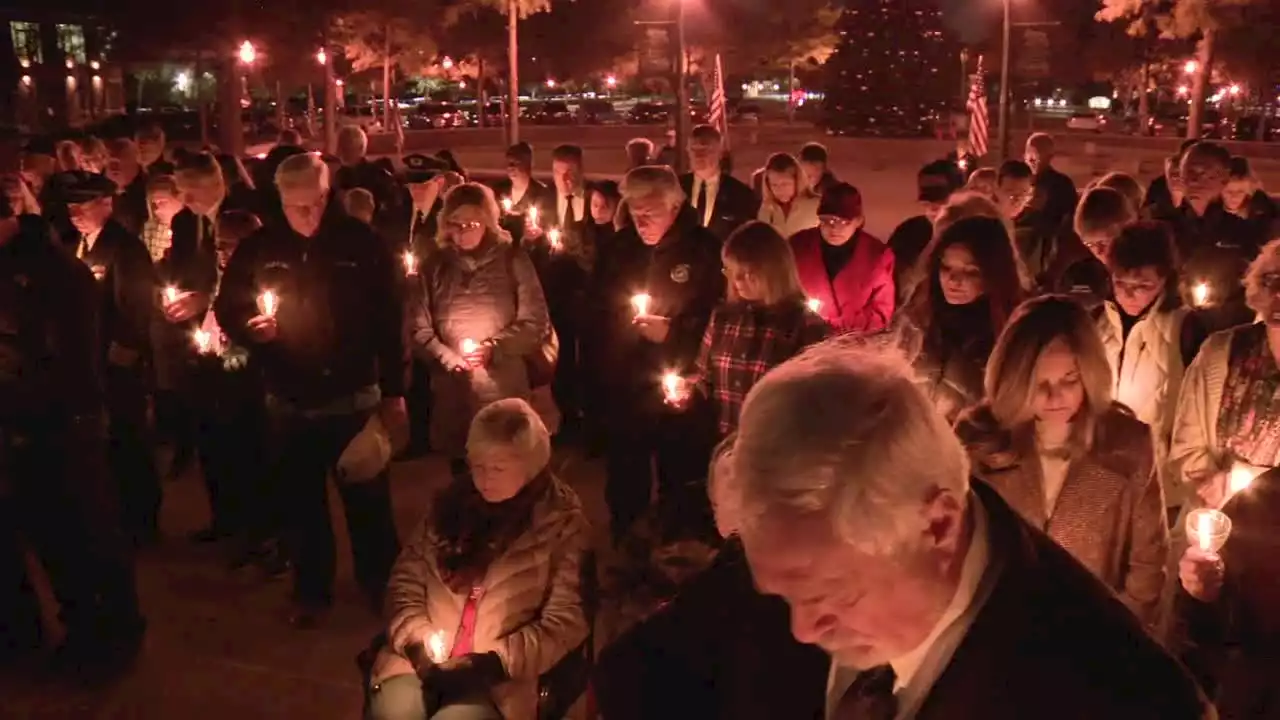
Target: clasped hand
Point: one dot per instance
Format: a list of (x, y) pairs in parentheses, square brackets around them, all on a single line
[(653, 328)]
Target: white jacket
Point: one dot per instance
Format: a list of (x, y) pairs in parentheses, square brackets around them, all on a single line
[(1147, 372), (803, 215)]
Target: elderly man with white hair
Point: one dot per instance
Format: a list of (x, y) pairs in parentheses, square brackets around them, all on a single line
[(314, 298), (932, 597), (356, 171), (662, 281)]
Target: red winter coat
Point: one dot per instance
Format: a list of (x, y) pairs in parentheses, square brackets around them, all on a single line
[(861, 297)]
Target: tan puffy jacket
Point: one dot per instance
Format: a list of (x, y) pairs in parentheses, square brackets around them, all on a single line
[(530, 615)]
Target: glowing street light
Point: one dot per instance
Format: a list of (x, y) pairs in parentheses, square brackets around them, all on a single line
[(182, 81), (1183, 89), (462, 84), (551, 82), (247, 53), (446, 63), (611, 81), (322, 57), (1191, 67)]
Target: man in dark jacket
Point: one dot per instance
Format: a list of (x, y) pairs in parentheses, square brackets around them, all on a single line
[(316, 300), (1055, 192), (55, 489), (663, 279), (127, 293), (357, 171), (935, 183), (932, 597), (721, 202)]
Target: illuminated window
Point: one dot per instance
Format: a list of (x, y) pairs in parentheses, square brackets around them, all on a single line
[(26, 42), (71, 41)]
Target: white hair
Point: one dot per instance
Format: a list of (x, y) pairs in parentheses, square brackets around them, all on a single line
[(511, 424), (842, 432), (352, 141), (650, 180), (303, 171)]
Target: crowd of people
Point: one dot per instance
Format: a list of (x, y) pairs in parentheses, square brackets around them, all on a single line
[(953, 473)]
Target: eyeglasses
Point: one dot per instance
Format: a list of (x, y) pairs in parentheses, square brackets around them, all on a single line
[(835, 222), (466, 226), (1270, 282), (1132, 288)]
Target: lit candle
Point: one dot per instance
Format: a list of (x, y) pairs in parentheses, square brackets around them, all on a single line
[(1240, 478), (814, 305), (507, 204), (268, 303), (553, 238), (1208, 530), (1200, 294), (641, 303), (171, 295), (963, 163), (672, 387), (203, 340), (468, 346), (410, 263), (435, 647), (1204, 533), (533, 215)]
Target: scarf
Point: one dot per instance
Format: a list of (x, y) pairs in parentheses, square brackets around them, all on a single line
[(471, 532)]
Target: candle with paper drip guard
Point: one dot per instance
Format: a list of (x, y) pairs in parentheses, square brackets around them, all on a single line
[(553, 239), (171, 295), (641, 303), (268, 303), (435, 647), (814, 305), (410, 263), (1208, 530), (203, 341), (1200, 294)]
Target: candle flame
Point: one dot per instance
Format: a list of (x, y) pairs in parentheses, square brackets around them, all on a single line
[(671, 385), (814, 304), (553, 238), (1241, 478), (435, 647), (533, 215), (1200, 293), (410, 263), (468, 346), (1204, 533), (171, 294), (267, 303), (507, 204), (641, 303), (202, 340)]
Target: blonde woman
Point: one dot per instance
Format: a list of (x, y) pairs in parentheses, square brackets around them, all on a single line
[(764, 322), (1072, 462), (787, 202), (481, 314), (21, 201), (487, 595)]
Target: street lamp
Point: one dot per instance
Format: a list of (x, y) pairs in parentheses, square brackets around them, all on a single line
[(321, 56), (1191, 67), (611, 81), (446, 63), (551, 83), (247, 53), (1234, 90)]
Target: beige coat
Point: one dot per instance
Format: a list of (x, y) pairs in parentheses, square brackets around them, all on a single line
[(1194, 451), (530, 615), (494, 296), (1149, 377), (803, 215), (1110, 513)]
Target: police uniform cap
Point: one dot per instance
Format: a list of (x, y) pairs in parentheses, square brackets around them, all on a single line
[(419, 168), (80, 186)]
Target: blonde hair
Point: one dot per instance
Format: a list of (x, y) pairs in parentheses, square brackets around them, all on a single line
[(511, 424), (352, 140), (843, 433), (967, 204), (201, 168), (758, 247), (1010, 382), (30, 206), (359, 203), (1125, 184), (302, 171), (1256, 296), (983, 180), (470, 194), (784, 163)]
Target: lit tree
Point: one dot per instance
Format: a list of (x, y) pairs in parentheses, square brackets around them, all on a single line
[(1205, 20)]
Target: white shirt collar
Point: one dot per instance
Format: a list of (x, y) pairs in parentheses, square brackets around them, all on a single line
[(906, 666)]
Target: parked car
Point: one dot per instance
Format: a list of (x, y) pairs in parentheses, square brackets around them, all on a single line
[(362, 116), (1086, 122), (492, 114), (436, 116), (599, 112), (551, 112), (647, 113), (1211, 125), (747, 112), (1250, 127)]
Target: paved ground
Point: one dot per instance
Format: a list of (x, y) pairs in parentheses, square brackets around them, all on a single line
[(218, 647)]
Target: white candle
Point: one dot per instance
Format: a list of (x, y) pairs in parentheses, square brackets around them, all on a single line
[(1208, 530), (1200, 294), (268, 303), (468, 346), (641, 303), (1204, 533), (963, 163), (202, 340), (507, 204), (171, 295), (435, 647), (410, 263), (814, 305), (553, 238), (533, 215), (672, 386)]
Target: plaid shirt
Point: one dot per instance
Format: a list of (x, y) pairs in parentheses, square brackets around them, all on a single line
[(158, 237), (742, 343)]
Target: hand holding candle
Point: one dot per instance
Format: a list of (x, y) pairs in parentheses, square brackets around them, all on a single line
[(641, 303), (507, 205), (1201, 569), (468, 346), (203, 341), (435, 647), (814, 305), (533, 216), (268, 303), (410, 263), (675, 391), (553, 239), (171, 295)]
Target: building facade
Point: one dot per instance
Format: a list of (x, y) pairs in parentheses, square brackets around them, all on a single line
[(56, 71)]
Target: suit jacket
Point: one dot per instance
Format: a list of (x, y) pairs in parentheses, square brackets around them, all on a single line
[(1050, 642), (127, 286), (1110, 512), (735, 206)]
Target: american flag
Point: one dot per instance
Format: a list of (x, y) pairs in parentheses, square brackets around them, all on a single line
[(979, 119), (716, 115)]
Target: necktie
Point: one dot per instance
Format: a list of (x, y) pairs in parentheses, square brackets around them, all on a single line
[(870, 697), (701, 204), (569, 214)]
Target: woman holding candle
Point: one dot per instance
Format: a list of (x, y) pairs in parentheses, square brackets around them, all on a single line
[(497, 568), (764, 322), (1072, 462), (972, 281), (476, 287), (787, 202), (1229, 602)]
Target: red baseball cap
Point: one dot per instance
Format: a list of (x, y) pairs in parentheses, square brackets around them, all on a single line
[(841, 200)]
